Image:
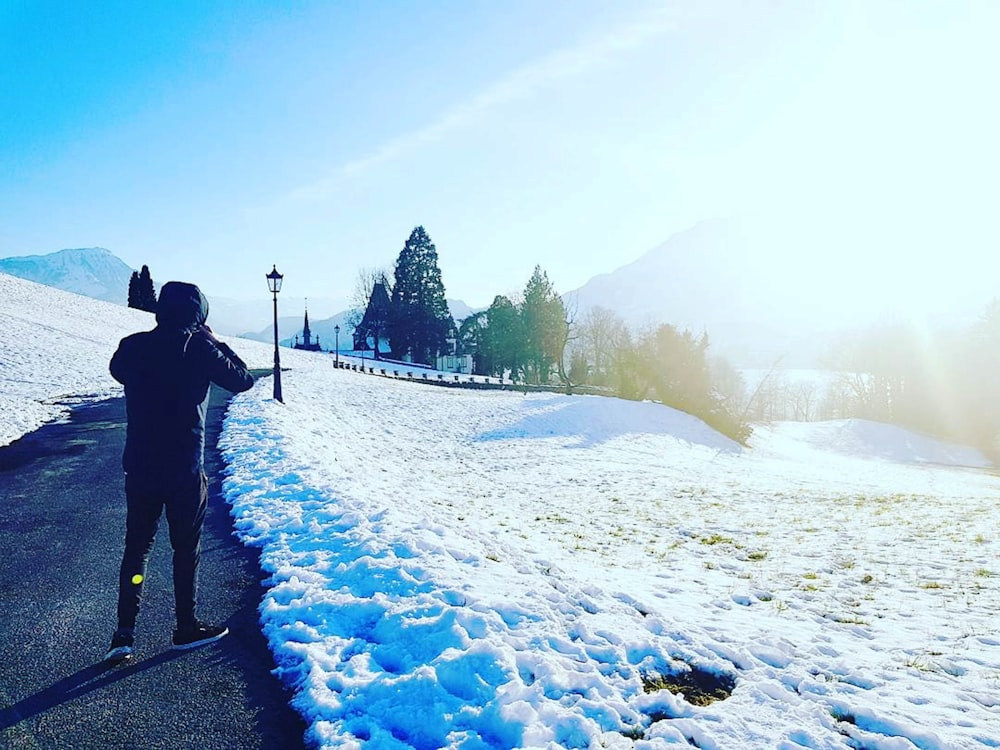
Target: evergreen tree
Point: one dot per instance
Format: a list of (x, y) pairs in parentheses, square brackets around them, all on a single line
[(419, 319), (145, 292), (544, 326), (678, 369), (471, 341), (675, 364), (503, 340), (133, 291)]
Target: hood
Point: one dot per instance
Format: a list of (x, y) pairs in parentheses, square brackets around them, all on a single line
[(181, 306)]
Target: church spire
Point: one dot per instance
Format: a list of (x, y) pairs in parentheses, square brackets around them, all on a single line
[(308, 342)]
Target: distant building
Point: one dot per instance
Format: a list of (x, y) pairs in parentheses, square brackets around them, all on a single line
[(373, 324), (307, 339), (450, 360)]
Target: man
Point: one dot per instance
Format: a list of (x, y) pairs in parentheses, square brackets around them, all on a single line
[(166, 373)]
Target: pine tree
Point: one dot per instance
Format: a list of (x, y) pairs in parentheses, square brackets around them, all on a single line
[(419, 319), (145, 291), (503, 338), (133, 291), (543, 320)]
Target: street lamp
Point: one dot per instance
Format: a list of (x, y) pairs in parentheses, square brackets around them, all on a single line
[(274, 286), (336, 355)]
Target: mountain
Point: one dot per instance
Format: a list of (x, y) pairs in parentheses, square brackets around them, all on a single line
[(234, 317), (757, 300), (459, 310), (92, 271), (291, 326)]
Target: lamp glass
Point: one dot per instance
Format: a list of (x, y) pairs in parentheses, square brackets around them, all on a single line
[(274, 280)]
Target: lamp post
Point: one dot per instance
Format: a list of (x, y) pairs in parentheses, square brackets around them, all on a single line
[(274, 286), (336, 354)]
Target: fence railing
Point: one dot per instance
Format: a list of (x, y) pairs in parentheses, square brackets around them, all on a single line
[(418, 374)]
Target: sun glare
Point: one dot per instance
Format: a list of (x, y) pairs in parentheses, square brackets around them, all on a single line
[(870, 185)]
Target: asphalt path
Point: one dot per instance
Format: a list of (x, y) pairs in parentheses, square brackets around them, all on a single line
[(62, 532)]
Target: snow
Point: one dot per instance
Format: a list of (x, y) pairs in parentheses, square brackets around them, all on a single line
[(488, 569)]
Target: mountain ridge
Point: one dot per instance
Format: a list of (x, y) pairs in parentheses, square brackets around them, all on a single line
[(93, 272)]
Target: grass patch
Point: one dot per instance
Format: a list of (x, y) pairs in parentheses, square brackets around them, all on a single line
[(699, 687), (917, 663), (715, 539), (851, 620), (634, 733)]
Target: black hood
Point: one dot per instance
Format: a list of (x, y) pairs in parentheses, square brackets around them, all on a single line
[(181, 306)]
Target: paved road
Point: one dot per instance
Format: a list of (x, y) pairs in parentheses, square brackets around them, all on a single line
[(62, 526)]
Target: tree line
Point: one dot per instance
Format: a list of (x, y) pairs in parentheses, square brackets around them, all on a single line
[(535, 339), (940, 382)]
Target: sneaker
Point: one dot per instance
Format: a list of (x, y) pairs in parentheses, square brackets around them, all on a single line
[(198, 635), (121, 647)]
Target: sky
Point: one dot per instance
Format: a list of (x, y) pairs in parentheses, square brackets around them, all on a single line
[(211, 140)]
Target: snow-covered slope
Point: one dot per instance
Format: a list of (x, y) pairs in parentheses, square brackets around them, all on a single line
[(494, 570), (93, 272)]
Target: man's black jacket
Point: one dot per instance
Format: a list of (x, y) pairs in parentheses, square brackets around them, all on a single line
[(166, 373)]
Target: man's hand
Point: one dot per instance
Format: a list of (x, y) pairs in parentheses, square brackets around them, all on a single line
[(207, 333)]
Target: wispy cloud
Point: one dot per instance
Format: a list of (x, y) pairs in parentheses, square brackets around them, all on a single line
[(592, 54)]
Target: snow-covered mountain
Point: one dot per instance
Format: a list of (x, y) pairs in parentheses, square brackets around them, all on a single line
[(714, 278), (90, 271)]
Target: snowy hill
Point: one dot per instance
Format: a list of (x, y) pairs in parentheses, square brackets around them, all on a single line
[(93, 272), (497, 570)]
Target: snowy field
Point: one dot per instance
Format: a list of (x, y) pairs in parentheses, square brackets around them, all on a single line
[(493, 570)]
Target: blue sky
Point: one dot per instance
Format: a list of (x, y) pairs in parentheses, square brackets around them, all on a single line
[(212, 139)]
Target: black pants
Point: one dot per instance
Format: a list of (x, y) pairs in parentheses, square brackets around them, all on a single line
[(185, 499)]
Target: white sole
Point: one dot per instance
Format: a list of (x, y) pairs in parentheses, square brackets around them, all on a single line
[(202, 642), (120, 654)]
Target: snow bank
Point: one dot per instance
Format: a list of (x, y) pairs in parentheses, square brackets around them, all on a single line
[(484, 569)]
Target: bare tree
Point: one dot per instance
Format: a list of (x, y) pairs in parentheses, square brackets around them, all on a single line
[(363, 284), (802, 397), (569, 334), (599, 332)]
